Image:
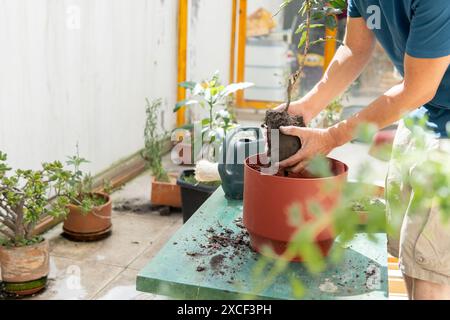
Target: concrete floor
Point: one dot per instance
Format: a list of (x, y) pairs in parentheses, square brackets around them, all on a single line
[(107, 270)]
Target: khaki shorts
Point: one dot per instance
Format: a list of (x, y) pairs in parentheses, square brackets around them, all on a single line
[(421, 240)]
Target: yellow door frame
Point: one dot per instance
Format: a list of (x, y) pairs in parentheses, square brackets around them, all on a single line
[(239, 25), (182, 57)]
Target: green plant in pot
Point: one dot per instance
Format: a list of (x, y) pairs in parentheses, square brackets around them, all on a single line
[(214, 97), (27, 196), (89, 217), (165, 191)]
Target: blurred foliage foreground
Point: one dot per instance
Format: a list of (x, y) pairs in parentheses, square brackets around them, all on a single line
[(430, 182)]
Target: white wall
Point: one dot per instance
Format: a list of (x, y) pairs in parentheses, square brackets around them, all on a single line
[(209, 38), (62, 81), (209, 41), (79, 70)]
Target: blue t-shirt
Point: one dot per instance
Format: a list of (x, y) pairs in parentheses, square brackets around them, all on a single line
[(419, 28)]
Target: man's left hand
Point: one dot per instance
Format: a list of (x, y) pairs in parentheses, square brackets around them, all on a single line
[(314, 142)]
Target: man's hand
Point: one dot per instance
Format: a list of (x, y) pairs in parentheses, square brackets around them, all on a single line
[(298, 109), (314, 142)]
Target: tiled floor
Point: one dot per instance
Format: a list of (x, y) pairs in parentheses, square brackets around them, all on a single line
[(107, 269)]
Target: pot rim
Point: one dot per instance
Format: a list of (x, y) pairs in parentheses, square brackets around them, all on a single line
[(103, 194), (199, 187), (173, 177), (343, 174), (44, 242)]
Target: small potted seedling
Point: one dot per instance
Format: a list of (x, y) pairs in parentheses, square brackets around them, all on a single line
[(89, 217), (27, 196), (330, 115), (369, 199), (165, 191), (209, 95)]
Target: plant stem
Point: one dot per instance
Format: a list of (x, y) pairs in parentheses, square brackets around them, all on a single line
[(296, 77), (211, 106), (19, 228), (7, 223)]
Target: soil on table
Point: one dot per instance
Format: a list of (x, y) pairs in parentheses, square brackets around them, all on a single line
[(236, 242), (288, 145)]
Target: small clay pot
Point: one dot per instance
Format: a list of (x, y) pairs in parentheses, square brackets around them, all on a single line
[(25, 269), (378, 192), (91, 226), (166, 193), (268, 198)]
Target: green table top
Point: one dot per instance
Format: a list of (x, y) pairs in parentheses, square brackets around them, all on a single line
[(183, 269)]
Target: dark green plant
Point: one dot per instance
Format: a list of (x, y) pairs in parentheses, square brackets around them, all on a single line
[(26, 196), (154, 141)]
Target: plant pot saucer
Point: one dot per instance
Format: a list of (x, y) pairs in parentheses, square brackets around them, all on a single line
[(25, 289), (87, 237)]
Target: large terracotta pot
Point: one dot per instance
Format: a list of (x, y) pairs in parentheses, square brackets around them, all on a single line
[(91, 226), (166, 193), (25, 269), (268, 198)]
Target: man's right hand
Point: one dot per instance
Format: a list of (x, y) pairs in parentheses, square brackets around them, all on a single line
[(297, 109)]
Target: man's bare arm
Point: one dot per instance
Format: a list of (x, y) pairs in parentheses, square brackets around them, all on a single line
[(421, 82), (347, 64)]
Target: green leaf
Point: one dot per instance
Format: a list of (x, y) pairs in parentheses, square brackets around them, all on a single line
[(366, 132), (338, 4), (298, 289), (303, 39), (330, 22), (182, 103), (295, 217), (319, 166), (282, 6), (187, 85), (206, 122), (301, 27), (232, 88)]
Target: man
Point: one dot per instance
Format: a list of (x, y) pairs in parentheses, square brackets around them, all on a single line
[(416, 36)]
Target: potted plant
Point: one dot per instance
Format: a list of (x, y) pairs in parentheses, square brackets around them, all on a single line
[(330, 115), (26, 196), (209, 95), (89, 217), (165, 191)]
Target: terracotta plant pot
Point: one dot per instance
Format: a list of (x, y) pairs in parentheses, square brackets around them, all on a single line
[(166, 193), (25, 269), (267, 200), (91, 226)]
